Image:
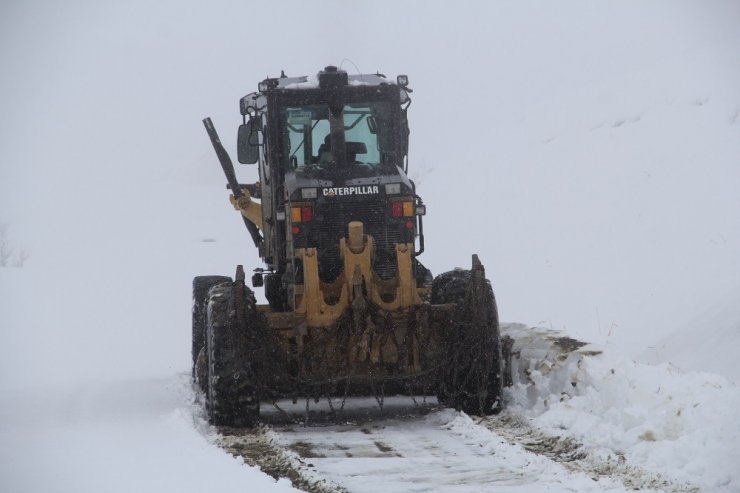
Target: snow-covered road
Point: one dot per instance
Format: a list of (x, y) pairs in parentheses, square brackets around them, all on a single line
[(440, 451), (579, 420), (587, 422)]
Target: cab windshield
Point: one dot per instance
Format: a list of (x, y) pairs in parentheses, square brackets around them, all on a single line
[(368, 134)]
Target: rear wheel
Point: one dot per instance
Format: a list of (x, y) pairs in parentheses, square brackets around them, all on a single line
[(232, 394), (276, 295), (424, 277), (470, 370), (201, 285)]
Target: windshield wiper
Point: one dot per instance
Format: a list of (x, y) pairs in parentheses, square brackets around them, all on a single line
[(304, 138)]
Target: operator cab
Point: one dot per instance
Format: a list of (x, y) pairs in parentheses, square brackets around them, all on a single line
[(316, 125), (332, 149)]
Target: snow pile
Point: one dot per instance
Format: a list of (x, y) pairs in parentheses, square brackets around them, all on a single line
[(682, 425), (525, 471)]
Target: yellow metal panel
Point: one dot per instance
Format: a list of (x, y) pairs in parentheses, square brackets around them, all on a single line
[(357, 273), (250, 209)]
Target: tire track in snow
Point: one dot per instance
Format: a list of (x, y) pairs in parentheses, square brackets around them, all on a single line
[(425, 448), (573, 455), (408, 451), (259, 447)]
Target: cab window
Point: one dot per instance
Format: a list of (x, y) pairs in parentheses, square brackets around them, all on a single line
[(306, 138)]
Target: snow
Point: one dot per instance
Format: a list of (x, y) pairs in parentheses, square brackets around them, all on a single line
[(597, 144), (442, 451), (683, 424), (311, 82), (138, 435), (706, 343)]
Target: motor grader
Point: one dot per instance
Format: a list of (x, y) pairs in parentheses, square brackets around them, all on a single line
[(339, 225)]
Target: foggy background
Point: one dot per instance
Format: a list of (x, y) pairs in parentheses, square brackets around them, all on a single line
[(588, 154)]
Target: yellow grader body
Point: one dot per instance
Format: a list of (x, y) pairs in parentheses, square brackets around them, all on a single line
[(357, 330)]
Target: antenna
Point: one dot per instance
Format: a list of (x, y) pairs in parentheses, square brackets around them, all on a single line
[(353, 64)]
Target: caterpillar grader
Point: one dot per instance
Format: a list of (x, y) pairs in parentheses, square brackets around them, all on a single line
[(339, 225)]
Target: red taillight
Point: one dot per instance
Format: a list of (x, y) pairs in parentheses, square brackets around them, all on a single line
[(302, 214), (402, 208)]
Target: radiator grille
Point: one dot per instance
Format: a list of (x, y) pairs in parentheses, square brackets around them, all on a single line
[(330, 224)]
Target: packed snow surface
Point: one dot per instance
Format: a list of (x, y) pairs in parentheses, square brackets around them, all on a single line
[(653, 426), (441, 451)]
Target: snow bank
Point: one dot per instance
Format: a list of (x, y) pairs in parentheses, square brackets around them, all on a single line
[(679, 424)]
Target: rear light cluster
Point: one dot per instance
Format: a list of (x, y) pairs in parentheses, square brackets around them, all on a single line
[(301, 214), (402, 208)]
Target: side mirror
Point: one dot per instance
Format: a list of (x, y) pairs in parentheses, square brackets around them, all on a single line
[(247, 142)]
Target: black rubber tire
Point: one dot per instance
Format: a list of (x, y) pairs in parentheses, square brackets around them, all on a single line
[(330, 262), (201, 285), (232, 396), (277, 297), (471, 371), (424, 277)]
